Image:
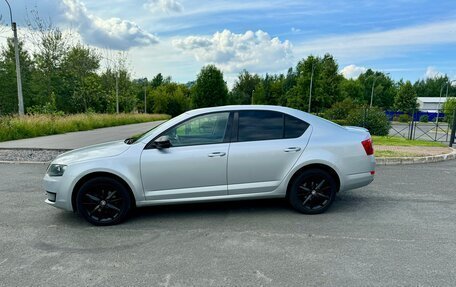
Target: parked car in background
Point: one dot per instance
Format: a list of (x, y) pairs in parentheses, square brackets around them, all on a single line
[(215, 154)]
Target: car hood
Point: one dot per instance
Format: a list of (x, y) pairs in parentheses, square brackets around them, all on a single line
[(103, 150)]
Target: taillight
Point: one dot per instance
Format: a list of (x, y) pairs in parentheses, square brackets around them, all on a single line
[(368, 147)]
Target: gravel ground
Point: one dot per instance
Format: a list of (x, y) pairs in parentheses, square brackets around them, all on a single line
[(31, 155)]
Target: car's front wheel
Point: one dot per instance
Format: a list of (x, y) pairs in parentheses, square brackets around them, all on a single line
[(103, 201), (312, 191)]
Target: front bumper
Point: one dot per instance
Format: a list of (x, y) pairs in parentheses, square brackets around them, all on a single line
[(58, 191)]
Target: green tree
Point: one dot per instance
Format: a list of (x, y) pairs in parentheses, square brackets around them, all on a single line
[(353, 89), (269, 90), (51, 47), (171, 99), (82, 86), (325, 82), (384, 89), (243, 89), (405, 99), (431, 87), (448, 108), (210, 89), (157, 81)]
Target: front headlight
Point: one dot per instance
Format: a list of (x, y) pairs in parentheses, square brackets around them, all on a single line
[(56, 169)]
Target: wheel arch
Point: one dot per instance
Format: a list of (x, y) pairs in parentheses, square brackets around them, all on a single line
[(92, 175), (321, 166)]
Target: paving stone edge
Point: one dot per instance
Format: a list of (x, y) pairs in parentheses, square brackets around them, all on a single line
[(415, 160)]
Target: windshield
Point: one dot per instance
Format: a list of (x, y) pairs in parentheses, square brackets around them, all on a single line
[(138, 137)]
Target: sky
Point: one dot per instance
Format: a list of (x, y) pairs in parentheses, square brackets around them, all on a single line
[(408, 39)]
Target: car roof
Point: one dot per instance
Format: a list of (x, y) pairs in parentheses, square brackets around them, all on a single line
[(311, 119), (246, 107)]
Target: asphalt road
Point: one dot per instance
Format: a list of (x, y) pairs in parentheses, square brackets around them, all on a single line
[(80, 139), (398, 231)]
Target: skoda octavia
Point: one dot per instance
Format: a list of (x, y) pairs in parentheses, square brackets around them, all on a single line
[(215, 154)]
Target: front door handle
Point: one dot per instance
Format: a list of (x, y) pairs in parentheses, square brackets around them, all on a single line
[(292, 149), (217, 153)]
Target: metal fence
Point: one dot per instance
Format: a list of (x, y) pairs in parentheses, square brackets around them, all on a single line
[(419, 125)]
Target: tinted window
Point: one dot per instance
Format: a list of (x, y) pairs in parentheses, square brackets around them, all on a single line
[(205, 129), (260, 125), (294, 127)]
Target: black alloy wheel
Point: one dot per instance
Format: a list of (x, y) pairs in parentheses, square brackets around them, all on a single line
[(313, 191), (103, 201)]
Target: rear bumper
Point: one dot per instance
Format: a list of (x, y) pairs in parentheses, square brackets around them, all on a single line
[(358, 180)]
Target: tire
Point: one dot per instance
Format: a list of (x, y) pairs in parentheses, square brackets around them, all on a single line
[(103, 201), (312, 192)]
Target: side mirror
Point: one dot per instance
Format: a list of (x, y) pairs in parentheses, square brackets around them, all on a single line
[(162, 142)]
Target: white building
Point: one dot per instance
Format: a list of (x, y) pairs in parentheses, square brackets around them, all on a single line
[(430, 104)]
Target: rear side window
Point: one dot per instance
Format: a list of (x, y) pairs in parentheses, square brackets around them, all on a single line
[(260, 125), (294, 127), (268, 125)]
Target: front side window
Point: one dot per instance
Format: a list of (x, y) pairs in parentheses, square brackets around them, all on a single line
[(204, 129)]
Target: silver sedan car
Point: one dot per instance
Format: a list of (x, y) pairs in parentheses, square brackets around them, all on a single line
[(215, 154)]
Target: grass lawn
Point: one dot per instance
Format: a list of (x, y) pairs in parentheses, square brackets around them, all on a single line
[(399, 141), (391, 153), (15, 127)]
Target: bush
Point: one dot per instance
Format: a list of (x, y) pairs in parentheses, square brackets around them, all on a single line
[(404, 118), (424, 118), (170, 99), (340, 110), (441, 119), (373, 119)]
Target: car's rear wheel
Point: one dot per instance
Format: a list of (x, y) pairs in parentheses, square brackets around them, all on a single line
[(313, 191), (103, 201)]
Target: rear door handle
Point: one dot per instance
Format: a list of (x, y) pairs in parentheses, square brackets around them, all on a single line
[(217, 153), (292, 149)]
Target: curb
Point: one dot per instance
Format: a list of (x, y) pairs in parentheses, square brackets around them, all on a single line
[(415, 160)]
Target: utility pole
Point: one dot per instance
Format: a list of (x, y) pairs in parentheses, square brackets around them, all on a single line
[(311, 82), (372, 91), (438, 109), (18, 65), (145, 98), (117, 91), (373, 86)]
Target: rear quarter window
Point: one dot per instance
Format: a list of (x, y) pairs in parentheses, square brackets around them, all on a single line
[(294, 127)]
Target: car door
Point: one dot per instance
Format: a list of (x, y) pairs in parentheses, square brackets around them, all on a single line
[(195, 163), (266, 146)]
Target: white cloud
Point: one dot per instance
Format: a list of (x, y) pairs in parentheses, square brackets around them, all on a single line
[(352, 71), (431, 72), (295, 30), (254, 51), (166, 6), (112, 33), (388, 43)]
